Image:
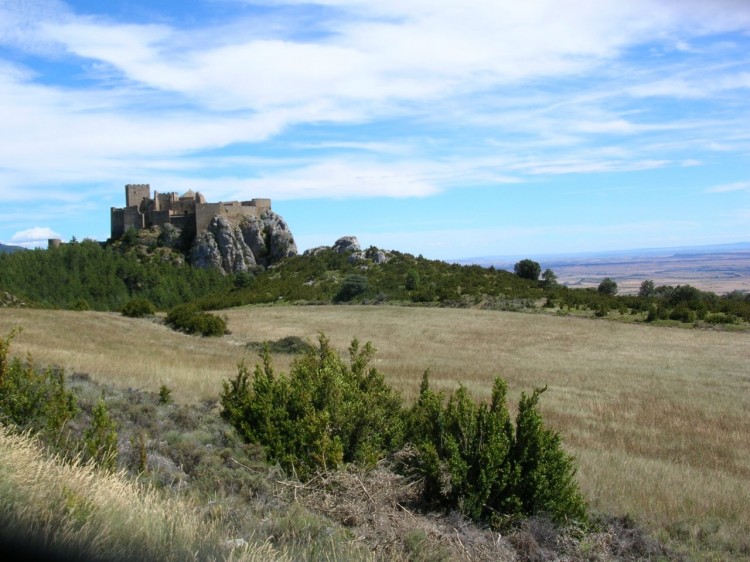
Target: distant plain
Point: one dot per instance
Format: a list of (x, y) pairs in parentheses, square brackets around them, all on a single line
[(718, 271)]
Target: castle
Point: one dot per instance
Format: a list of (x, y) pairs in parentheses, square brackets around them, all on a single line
[(187, 211)]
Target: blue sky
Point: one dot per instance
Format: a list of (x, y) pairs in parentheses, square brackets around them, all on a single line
[(447, 128)]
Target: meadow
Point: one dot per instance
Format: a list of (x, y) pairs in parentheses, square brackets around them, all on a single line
[(656, 417)]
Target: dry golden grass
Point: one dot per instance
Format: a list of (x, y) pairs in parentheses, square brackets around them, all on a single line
[(101, 516), (657, 417)]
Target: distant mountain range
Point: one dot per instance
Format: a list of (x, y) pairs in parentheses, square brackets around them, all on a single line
[(9, 249)]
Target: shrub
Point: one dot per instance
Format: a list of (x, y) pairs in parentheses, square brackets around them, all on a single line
[(138, 308), (352, 286), (187, 318), (324, 413), (473, 460), (412, 279), (470, 456), (31, 399), (100, 439), (683, 313), (287, 344), (165, 395), (81, 305)]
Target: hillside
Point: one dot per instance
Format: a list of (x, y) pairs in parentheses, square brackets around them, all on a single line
[(10, 249)]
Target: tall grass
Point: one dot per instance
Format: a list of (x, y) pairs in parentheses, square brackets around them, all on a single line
[(58, 508), (657, 417)]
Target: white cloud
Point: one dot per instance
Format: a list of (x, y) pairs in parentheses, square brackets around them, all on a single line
[(33, 237), (162, 95), (728, 187)]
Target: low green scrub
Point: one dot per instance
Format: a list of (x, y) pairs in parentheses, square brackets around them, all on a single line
[(138, 308), (288, 345), (474, 459), (323, 414), (326, 413), (32, 399), (187, 318)]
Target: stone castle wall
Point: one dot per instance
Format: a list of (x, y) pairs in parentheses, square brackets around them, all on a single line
[(143, 211)]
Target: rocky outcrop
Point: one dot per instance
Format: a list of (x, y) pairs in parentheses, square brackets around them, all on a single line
[(346, 244), (10, 301), (268, 237), (222, 246), (316, 250), (350, 245), (234, 248)]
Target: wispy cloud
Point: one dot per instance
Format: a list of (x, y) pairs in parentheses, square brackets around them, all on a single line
[(728, 187), (352, 99)]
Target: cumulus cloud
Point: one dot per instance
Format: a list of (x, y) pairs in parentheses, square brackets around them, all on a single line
[(33, 237)]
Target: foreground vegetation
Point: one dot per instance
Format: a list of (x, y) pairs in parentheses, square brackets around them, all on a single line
[(656, 418), (469, 457), (56, 505)]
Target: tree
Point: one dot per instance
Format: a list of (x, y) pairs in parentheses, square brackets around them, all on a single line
[(528, 269), (647, 290), (549, 279), (412, 279), (351, 286), (607, 287)]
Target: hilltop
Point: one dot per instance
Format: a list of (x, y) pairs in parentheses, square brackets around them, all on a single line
[(10, 249)]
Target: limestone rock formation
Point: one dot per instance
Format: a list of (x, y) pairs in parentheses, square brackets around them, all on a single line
[(268, 237), (222, 246), (235, 248), (10, 301), (315, 251), (347, 244), (350, 245)]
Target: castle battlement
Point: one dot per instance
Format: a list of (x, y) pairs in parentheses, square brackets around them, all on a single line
[(189, 210)]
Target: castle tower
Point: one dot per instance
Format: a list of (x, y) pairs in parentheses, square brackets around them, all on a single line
[(135, 193)]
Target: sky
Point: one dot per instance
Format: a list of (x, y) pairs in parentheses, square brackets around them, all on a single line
[(445, 128)]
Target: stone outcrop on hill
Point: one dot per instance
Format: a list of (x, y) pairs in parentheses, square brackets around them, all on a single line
[(269, 238), (350, 245), (10, 301), (234, 248), (346, 244)]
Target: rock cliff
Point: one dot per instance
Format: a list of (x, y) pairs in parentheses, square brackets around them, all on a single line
[(234, 248)]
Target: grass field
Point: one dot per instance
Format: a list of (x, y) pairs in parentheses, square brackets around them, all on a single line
[(657, 417)]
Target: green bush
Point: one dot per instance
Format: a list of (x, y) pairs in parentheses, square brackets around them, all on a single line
[(100, 439), (528, 269), (287, 344), (683, 313), (352, 286), (81, 305), (138, 308), (187, 318), (607, 287), (322, 414), (32, 399), (473, 460), (165, 395)]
